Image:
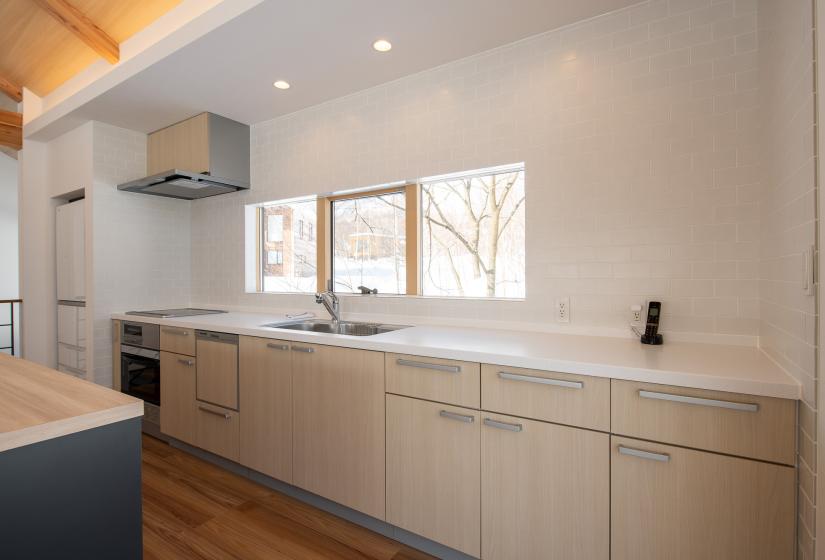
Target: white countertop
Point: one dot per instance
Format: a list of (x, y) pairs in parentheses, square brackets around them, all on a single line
[(735, 369)]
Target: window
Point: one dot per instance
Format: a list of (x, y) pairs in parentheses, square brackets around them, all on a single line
[(369, 243), (287, 262), (473, 236), (460, 235)]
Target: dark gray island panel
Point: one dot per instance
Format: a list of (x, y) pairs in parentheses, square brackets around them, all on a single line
[(76, 496)]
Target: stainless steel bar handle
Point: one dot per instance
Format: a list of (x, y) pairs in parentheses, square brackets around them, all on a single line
[(541, 380), (427, 365), (456, 416), (176, 331), (186, 362), (225, 415), (304, 349), (277, 346), (503, 425), (730, 405), (629, 451)]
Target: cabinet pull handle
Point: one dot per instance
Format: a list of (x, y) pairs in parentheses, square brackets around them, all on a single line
[(304, 349), (427, 365), (186, 362), (277, 346), (225, 415), (503, 425), (455, 416), (730, 405), (541, 380), (630, 452), (176, 331)]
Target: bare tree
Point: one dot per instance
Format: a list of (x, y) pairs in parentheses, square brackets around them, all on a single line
[(483, 200)]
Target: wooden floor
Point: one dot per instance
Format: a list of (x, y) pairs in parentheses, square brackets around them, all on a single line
[(193, 509)]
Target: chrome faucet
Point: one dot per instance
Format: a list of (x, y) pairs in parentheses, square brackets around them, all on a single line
[(330, 301)]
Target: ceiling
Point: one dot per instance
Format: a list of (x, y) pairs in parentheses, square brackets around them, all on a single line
[(39, 52), (324, 49)]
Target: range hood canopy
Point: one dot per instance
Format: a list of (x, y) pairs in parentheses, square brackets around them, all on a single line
[(206, 141), (176, 183)]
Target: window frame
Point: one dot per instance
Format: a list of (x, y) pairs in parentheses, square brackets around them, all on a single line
[(322, 232), (411, 226)]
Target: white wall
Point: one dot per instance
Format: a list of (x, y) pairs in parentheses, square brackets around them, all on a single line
[(141, 252), (637, 130), (788, 222), (9, 270)]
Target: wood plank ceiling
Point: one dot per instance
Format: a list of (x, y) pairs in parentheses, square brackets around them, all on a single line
[(46, 42)]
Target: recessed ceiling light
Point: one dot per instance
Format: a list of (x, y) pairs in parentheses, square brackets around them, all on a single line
[(382, 45), (280, 84)]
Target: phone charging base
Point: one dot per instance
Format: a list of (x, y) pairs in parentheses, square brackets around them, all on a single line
[(654, 340)]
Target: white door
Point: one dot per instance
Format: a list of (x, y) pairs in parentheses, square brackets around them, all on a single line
[(71, 253)]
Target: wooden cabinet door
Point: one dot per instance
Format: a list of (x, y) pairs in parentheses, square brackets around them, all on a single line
[(218, 431), (266, 401), (545, 491), (433, 472), (178, 412), (338, 415), (184, 145), (682, 504), (217, 369)]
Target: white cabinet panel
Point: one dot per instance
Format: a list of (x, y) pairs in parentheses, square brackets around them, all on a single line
[(71, 253)]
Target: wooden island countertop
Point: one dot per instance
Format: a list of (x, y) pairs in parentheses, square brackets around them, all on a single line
[(38, 403)]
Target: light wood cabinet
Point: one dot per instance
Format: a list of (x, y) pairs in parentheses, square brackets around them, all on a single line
[(545, 491), (177, 340), (433, 472), (184, 145), (434, 379), (116, 355), (265, 370), (218, 430), (576, 400), (178, 413), (736, 424), (338, 430), (682, 504), (217, 368)]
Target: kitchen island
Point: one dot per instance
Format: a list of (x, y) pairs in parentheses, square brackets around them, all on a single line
[(69, 466)]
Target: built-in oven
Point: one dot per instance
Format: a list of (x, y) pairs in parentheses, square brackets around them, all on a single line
[(140, 369)]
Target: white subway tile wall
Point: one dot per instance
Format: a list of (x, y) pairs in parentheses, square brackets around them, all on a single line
[(637, 129), (142, 243), (788, 221)]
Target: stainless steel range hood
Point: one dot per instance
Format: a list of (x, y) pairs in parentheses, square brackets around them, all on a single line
[(176, 183), (205, 155)]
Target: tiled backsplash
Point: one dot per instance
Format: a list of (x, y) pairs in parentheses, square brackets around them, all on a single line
[(639, 134)]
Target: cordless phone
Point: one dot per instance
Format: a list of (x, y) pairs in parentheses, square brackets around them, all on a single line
[(652, 336)]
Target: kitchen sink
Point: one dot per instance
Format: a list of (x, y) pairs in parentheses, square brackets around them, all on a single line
[(353, 328)]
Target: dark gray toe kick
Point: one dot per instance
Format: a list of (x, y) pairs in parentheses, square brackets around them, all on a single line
[(77, 496)]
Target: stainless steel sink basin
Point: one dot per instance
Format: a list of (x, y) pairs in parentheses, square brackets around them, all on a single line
[(352, 328)]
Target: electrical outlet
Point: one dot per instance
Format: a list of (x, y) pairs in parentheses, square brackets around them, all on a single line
[(563, 310), (636, 313)]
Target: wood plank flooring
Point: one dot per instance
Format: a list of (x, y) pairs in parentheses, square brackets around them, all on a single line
[(193, 509)]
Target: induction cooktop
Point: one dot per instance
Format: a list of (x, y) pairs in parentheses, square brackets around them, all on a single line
[(169, 313)]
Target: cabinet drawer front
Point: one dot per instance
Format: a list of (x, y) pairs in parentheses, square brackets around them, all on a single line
[(433, 472), (435, 379), (177, 340), (577, 400), (683, 504), (178, 414), (218, 430), (545, 489), (745, 425)]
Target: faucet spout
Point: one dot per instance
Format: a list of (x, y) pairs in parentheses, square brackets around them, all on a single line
[(330, 302)]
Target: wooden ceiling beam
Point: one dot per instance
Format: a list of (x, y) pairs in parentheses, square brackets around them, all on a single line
[(11, 130), (76, 22), (11, 89)]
